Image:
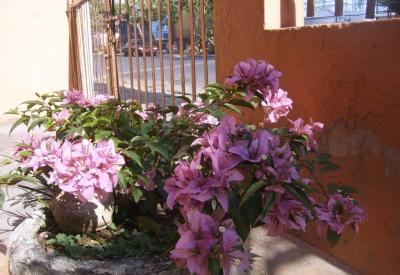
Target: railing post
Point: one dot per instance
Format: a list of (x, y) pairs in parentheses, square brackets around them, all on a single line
[(310, 8), (338, 7), (370, 12), (111, 56)]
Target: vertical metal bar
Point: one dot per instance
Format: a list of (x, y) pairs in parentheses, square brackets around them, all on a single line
[(171, 60), (310, 8), (121, 65), (143, 36), (111, 58), (129, 49), (153, 76), (89, 47), (181, 53), (160, 48), (96, 63), (136, 52), (203, 41), (103, 42), (192, 49)]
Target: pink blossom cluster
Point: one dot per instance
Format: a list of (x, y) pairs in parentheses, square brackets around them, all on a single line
[(36, 151), (204, 236), (61, 117), (256, 77), (78, 98), (337, 213), (195, 116), (286, 214), (78, 167), (307, 129)]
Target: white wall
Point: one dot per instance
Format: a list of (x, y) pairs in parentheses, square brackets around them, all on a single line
[(33, 49)]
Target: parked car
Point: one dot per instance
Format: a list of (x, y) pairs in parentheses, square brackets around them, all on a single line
[(140, 48)]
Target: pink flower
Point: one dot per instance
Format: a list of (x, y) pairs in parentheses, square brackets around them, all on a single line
[(287, 213), (231, 248), (99, 99), (254, 150), (194, 246), (340, 211), (149, 185), (307, 129), (277, 106), (85, 169), (197, 116), (256, 77), (74, 97), (37, 151), (61, 116)]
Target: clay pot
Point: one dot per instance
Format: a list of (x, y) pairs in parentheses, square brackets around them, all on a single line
[(75, 217)]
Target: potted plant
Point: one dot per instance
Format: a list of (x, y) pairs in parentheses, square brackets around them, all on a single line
[(189, 182)]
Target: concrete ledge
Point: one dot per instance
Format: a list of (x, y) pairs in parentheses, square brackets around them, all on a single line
[(27, 257), (287, 255)]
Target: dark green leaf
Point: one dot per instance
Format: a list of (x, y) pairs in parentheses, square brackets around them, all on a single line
[(23, 119), (185, 98), (251, 190), (214, 266), (137, 139), (322, 158), (232, 108), (332, 188), (299, 195), (330, 167), (32, 102), (332, 237), (348, 189), (134, 156), (268, 204), (37, 122), (240, 102), (2, 198), (137, 194), (103, 134), (241, 223), (305, 186), (159, 149)]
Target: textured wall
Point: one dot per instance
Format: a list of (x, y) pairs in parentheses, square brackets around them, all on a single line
[(33, 49), (347, 76)]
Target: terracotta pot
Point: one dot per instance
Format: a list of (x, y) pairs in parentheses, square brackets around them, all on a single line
[(75, 217)]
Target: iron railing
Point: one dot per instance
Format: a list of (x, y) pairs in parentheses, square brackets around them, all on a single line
[(130, 48)]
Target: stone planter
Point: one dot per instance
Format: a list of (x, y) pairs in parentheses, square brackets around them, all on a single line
[(75, 217), (27, 257)]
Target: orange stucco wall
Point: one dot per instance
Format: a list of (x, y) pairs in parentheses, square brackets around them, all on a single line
[(347, 76)]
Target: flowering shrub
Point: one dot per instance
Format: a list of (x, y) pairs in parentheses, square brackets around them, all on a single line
[(210, 177)]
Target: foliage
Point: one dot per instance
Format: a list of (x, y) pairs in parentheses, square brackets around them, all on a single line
[(193, 169)]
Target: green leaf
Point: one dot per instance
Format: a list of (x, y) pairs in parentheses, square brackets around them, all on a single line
[(243, 103), (12, 112), (14, 178), (133, 156), (2, 198), (241, 223), (25, 153), (348, 189), (305, 186), (268, 205), (299, 195), (322, 158), (32, 102), (159, 149), (146, 224), (122, 179), (103, 134), (137, 194), (330, 167), (251, 190), (185, 98), (214, 267), (332, 188), (37, 122), (332, 237), (137, 139), (232, 108), (23, 119)]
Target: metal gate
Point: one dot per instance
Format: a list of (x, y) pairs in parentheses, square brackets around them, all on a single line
[(144, 51)]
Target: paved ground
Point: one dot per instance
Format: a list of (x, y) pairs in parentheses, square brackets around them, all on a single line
[(125, 76), (284, 255)]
